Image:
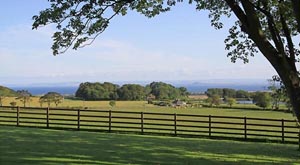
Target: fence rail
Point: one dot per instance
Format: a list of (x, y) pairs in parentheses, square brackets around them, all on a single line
[(279, 130)]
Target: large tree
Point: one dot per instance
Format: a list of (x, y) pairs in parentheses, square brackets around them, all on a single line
[(97, 91), (270, 26), (132, 92), (52, 97), (262, 99)]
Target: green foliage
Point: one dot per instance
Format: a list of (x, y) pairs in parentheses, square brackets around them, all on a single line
[(242, 94), (132, 92), (214, 91), (164, 91), (80, 22), (112, 103), (278, 92), (230, 101), (109, 91), (24, 96), (97, 91), (227, 93), (262, 99), (214, 100), (51, 97)]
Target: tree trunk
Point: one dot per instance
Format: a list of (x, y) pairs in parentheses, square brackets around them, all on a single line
[(286, 70), (291, 81), (295, 101), (289, 77), (293, 91)]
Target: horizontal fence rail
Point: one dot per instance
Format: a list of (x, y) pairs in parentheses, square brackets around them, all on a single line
[(256, 129)]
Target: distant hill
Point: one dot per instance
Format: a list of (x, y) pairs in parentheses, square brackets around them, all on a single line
[(4, 91)]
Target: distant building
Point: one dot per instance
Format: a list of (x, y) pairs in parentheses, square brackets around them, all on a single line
[(178, 103), (151, 97)]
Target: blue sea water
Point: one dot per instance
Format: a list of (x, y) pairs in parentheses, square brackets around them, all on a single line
[(43, 90)]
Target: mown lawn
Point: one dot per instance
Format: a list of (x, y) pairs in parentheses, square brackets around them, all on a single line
[(41, 146)]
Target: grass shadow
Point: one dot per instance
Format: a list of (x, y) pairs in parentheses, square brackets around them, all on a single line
[(42, 146)]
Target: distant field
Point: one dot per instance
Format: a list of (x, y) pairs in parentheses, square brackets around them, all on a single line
[(41, 146), (142, 106)]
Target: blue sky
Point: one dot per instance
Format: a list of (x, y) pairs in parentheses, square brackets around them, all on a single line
[(178, 45)]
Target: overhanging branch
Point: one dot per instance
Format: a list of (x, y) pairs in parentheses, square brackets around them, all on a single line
[(296, 8)]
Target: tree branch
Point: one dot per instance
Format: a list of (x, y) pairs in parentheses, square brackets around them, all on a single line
[(287, 34), (239, 14), (275, 34), (296, 8)]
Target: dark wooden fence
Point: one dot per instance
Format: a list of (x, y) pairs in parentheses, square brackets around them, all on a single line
[(223, 127)]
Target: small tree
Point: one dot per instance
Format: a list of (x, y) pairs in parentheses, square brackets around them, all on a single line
[(112, 103), (214, 100), (1, 100), (24, 96), (209, 101), (230, 101), (51, 97), (278, 91), (41, 101), (262, 99)]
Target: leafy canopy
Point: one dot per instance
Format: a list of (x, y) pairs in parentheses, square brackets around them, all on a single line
[(79, 22), (51, 97)]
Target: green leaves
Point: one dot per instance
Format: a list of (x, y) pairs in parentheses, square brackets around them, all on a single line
[(51, 97), (78, 22), (239, 45)]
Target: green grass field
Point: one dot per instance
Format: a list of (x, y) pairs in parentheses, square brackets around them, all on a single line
[(41, 146), (142, 106), (49, 147)]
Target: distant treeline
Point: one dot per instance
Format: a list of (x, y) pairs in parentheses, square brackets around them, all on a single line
[(227, 93), (110, 91)]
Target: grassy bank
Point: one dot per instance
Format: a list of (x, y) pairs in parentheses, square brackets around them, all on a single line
[(41, 146)]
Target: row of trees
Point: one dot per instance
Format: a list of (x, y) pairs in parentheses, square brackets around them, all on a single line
[(110, 91), (276, 95), (261, 99), (25, 97), (227, 93)]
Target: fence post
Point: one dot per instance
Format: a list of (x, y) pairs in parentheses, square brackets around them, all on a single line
[(18, 116), (282, 130), (47, 117), (109, 121), (78, 119), (299, 140), (245, 128), (209, 125), (175, 124), (142, 122)]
